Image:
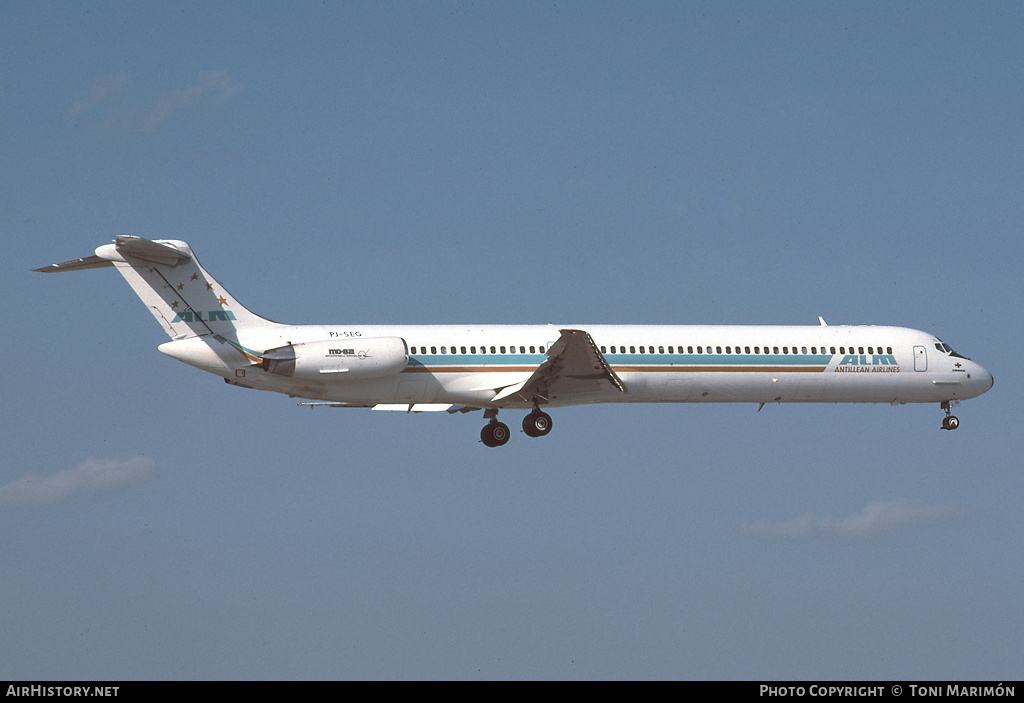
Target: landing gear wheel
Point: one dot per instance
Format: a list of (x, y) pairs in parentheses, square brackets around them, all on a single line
[(494, 434), (950, 422), (537, 424)]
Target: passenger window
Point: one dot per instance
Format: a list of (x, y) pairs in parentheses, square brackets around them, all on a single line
[(661, 350), (718, 350), (689, 350), (492, 350), (433, 350), (888, 350), (533, 349), (861, 350), (803, 350), (632, 350), (670, 350)]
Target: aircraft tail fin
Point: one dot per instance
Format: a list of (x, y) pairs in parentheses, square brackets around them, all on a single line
[(183, 297)]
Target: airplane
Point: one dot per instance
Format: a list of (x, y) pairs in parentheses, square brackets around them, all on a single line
[(464, 368)]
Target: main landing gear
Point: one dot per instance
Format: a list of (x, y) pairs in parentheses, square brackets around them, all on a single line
[(537, 423), (495, 434), (950, 422)]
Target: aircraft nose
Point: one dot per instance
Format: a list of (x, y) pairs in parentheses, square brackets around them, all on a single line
[(984, 379)]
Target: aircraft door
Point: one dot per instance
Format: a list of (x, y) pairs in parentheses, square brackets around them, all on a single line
[(920, 359)]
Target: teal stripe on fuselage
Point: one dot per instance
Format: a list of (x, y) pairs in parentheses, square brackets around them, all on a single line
[(628, 359), (476, 359), (721, 359)]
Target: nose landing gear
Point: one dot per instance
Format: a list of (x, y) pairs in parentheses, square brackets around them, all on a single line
[(950, 422)]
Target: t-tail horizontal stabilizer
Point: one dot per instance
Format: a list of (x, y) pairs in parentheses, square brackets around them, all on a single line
[(181, 295)]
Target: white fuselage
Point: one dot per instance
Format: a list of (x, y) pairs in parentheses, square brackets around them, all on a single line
[(464, 364)]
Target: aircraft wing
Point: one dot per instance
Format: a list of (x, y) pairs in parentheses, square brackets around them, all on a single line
[(574, 366)]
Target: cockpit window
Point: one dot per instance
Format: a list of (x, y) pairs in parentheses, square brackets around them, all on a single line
[(942, 346)]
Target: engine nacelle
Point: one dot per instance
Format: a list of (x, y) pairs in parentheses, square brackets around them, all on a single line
[(339, 359)]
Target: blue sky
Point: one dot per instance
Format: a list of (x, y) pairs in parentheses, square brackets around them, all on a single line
[(669, 163)]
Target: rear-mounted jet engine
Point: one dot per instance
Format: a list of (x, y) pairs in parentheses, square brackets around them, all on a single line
[(373, 357)]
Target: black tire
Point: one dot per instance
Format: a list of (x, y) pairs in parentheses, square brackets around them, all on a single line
[(494, 434), (537, 424), (499, 433), (952, 422), (486, 437)]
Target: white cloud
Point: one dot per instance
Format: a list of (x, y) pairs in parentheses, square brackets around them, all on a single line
[(877, 518), (90, 476), (102, 90), (210, 88), (109, 101)]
